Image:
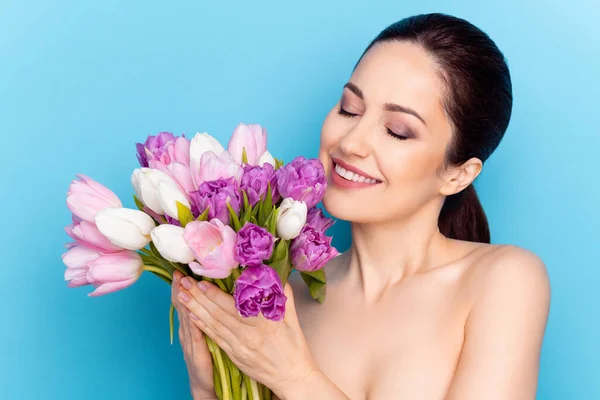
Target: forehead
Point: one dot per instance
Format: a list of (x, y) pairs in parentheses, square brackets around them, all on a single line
[(401, 73)]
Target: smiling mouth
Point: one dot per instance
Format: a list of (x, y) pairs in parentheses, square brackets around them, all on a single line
[(353, 176)]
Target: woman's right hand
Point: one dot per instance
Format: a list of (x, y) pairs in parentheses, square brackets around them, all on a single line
[(195, 351)]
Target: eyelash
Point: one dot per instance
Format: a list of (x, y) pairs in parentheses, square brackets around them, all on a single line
[(346, 114)]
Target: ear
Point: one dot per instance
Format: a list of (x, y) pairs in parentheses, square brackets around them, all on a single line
[(461, 176)]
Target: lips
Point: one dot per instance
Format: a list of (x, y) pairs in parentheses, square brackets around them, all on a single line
[(351, 168)]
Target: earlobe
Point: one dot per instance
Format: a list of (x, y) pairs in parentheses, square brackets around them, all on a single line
[(461, 176)]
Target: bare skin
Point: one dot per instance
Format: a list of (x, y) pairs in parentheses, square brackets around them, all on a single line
[(409, 313), (407, 344)]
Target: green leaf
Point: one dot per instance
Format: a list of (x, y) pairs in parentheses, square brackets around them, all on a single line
[(244, 156), (246, 202), (204, 215), (278, 163), (272, 221), (316, 283), (184, 214), (234, 218), (138, 203), (269, 198), (154, 250), (253, 220), (281, 261), (266, 206), (246, 217)]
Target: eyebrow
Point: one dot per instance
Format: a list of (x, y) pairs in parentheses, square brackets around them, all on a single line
[(387, 106)]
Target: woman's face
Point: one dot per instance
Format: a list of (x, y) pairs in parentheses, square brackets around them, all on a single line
[(389, 125)]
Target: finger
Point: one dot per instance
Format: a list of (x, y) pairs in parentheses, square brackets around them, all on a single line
[(214, 300), (211, 333), (198, 344), (220, 323)]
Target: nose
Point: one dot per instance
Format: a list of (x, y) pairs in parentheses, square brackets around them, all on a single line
[(356, 142)]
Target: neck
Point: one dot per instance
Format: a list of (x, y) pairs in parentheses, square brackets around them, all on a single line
[(383, 254)]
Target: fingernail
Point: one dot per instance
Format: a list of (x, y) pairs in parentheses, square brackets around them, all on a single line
[(185, 282), (183, 296), (193, 316), (175, 278), (203, 286)]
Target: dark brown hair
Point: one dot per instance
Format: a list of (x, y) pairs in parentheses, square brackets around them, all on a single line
[(478, 101)]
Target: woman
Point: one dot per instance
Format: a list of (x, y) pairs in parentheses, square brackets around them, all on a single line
[(421, 306)]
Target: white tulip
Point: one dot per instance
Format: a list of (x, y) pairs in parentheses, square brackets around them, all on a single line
[(124, 227), (145, 183), (170, 194), (171, 244), (291, 218), (266, 158), (200, 144)]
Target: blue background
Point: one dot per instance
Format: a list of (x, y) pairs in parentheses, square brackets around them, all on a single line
[(82, 81)]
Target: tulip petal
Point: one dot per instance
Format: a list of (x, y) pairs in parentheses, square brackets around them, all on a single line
[(110, 287)]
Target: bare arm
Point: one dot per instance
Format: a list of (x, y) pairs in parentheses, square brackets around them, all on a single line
[(504, 331)]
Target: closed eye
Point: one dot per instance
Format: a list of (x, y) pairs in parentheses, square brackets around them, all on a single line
[(345, 113)]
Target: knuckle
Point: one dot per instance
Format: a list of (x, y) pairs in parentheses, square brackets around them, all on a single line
[(216, 326)]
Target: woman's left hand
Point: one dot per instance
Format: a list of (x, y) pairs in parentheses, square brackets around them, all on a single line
[(273, 353)]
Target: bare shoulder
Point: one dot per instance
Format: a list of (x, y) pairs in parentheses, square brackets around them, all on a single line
[(510, 271)]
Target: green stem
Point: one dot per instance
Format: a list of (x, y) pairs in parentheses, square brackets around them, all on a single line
[(236, 381), (248, 387), (217, 381), (171, 322), (244, 392), (216, 352), (254, 387), (221, 285), (146, 252), (178, 268), (157, 270)]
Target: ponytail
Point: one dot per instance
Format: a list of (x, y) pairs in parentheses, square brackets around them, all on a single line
[(462, 217)]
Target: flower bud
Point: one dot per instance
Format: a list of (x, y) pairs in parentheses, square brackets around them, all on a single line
[(124, 227), (291, 218), (171, 244), (146, 181), (266, 158)]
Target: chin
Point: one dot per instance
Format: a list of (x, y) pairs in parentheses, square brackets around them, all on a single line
[(340, 206)]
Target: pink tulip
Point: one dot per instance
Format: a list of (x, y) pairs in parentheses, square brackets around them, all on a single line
[(86, 197), (213, 245), (76, 259), (213, 167), (180, 173), (111, 272), (87, 234), (253, 138)]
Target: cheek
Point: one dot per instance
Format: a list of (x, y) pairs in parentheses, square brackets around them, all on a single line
[(330, 136), (412, 173)]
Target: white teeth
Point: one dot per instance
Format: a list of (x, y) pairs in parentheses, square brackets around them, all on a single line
[(351, 176)]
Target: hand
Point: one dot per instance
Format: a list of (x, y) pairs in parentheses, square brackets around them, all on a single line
[(195, 351), (273, 353)]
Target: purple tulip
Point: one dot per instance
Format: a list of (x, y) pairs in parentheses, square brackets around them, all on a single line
[(259, 289), (216, 194), (255, 181), (311, 250), (318, 220), (302, 180), (253, 245), (165, 148)]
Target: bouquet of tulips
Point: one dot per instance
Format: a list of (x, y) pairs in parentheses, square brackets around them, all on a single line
[(238, 218)]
